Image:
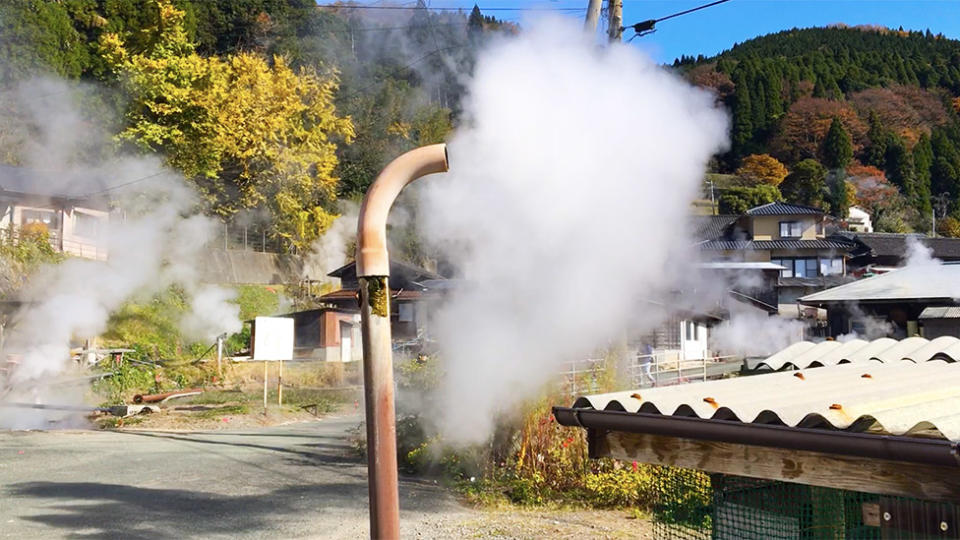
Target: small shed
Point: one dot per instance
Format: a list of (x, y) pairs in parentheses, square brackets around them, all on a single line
[(940, 321), (864, 447), (897, 298)]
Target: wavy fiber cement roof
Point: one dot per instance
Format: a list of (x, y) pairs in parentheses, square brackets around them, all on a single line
[(806, 354), (899, 398)]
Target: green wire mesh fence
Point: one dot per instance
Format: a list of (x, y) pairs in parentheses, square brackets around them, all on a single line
[(694, 505)]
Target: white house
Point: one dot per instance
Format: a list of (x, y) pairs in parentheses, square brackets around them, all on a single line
[(75, 220)]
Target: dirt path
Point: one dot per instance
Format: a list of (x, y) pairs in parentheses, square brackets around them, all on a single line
[(294, 481)]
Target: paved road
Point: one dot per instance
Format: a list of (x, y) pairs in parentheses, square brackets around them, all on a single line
[(297, 481)]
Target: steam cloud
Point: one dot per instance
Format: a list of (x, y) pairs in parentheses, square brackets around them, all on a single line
[(569, 188), (158, 240), (330, 251)]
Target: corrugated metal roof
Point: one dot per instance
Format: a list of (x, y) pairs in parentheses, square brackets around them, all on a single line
[(807, 354), (783, 209), (735, 265), (940, 313), (898, 398), (928, 281), (820, 243)]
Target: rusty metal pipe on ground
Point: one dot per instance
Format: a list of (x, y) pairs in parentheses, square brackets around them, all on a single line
[(153, 398), (373, 271)]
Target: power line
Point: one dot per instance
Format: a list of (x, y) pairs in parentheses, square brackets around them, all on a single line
[(646, 27), (125, 184), (698, 8)]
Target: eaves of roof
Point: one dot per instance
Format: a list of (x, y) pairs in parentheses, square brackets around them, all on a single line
[(732, 245), (899, 398)]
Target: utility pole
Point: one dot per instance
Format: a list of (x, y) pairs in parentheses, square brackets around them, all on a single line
[(615, 20), (713, 200), (593, 15)]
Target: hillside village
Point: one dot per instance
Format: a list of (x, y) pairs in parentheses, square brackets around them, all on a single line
[(755, 338)]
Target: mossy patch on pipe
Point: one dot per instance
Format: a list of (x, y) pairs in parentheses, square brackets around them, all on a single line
[(377, 296)]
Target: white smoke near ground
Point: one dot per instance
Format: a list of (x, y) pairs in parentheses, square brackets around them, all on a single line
[(751, 332), (332, 250), (212, 313), (569, 186), (155, 238)]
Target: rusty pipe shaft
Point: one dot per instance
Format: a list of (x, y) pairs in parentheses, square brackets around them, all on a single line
[(151, 398), (373, 271)]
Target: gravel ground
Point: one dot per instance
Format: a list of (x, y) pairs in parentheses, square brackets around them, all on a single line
[(294, 481)]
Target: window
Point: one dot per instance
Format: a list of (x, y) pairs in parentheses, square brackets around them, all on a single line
[(790, 229), (87, 226), (831, 266), (787, 265), (47, 217), (798, 267), (804, 267), (691, 331)]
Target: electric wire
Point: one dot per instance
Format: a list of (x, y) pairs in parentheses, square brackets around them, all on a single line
[(691, 10), (125, 184), (646, 27)]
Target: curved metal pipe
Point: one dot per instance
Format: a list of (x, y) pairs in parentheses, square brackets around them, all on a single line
[(373, 271), (372, 258)]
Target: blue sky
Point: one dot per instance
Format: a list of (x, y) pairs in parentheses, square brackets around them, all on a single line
[(714, 29)]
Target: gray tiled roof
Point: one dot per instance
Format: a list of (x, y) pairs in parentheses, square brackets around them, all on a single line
[(711, 227), (820, 243), (783, 209), (895, 245)]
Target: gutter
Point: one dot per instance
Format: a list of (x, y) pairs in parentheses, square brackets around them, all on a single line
[(887, 447)]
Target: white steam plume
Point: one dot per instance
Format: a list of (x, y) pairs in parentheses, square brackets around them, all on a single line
[(568, 192), (330, 251), (156, 241), (751, 332)]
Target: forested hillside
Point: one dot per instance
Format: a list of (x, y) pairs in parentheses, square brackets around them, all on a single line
[(339, 91), (829, 117), (861, 115)]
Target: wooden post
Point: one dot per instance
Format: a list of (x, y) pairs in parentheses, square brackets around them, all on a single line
[(615, 20), (264, 387), (220, 356), (280, 383), (593, 15)]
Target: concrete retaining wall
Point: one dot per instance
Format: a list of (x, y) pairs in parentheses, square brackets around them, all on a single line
[(239, 267)]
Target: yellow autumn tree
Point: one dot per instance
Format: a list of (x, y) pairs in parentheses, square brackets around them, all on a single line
[(762, 169), (246, 130)]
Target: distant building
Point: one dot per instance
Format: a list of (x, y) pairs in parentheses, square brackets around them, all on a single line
[(940, 321), (332, 333), (888, 304), (879, 252), (75, 220), (787, 235), (859, 221)]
